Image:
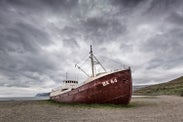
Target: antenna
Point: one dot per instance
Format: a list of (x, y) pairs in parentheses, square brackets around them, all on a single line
[(66, 75)]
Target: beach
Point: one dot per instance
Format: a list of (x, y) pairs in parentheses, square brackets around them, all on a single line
[(141, 109)]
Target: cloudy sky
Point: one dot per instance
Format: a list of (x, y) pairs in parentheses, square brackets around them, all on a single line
[(41, 40)]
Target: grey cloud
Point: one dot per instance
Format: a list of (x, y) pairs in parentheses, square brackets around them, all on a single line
[(162, 7), (175, 18), (126, 3), (63, 4), (166, 48), (23, 36), (95, 24), (166, 44), (162, 4), (21, 6), (69, 30), (103, 29), (70, 43)]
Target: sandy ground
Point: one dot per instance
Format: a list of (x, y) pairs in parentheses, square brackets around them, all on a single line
[(143, 109)]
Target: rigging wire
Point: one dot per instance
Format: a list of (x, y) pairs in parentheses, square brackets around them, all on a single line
[(94, 60), (84, 61), (81, 64), (99, 63)]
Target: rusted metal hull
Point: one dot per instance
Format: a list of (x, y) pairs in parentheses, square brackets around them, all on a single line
[(114, 88)]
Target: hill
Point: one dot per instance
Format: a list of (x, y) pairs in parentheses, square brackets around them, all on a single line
[(174, 87), (42, 95), (137, 87)]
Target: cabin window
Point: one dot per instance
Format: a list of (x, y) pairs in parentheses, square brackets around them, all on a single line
[(70, 81)]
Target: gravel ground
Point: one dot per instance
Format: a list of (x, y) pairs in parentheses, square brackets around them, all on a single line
[(141, 109)]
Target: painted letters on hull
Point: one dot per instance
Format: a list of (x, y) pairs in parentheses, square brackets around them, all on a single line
[(114, 88)]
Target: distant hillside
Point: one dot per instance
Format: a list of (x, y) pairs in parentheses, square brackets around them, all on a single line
[(43, 95), (174, 87), (137, 87)]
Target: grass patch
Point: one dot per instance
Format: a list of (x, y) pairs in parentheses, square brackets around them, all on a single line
[(90, 105)]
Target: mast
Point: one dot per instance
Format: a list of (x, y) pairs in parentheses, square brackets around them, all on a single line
[(92, 62)]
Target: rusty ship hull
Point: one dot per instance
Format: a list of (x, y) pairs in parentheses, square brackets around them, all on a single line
[(112, 88)]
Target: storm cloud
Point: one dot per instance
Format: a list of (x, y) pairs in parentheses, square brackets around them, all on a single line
[(41, 40)]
